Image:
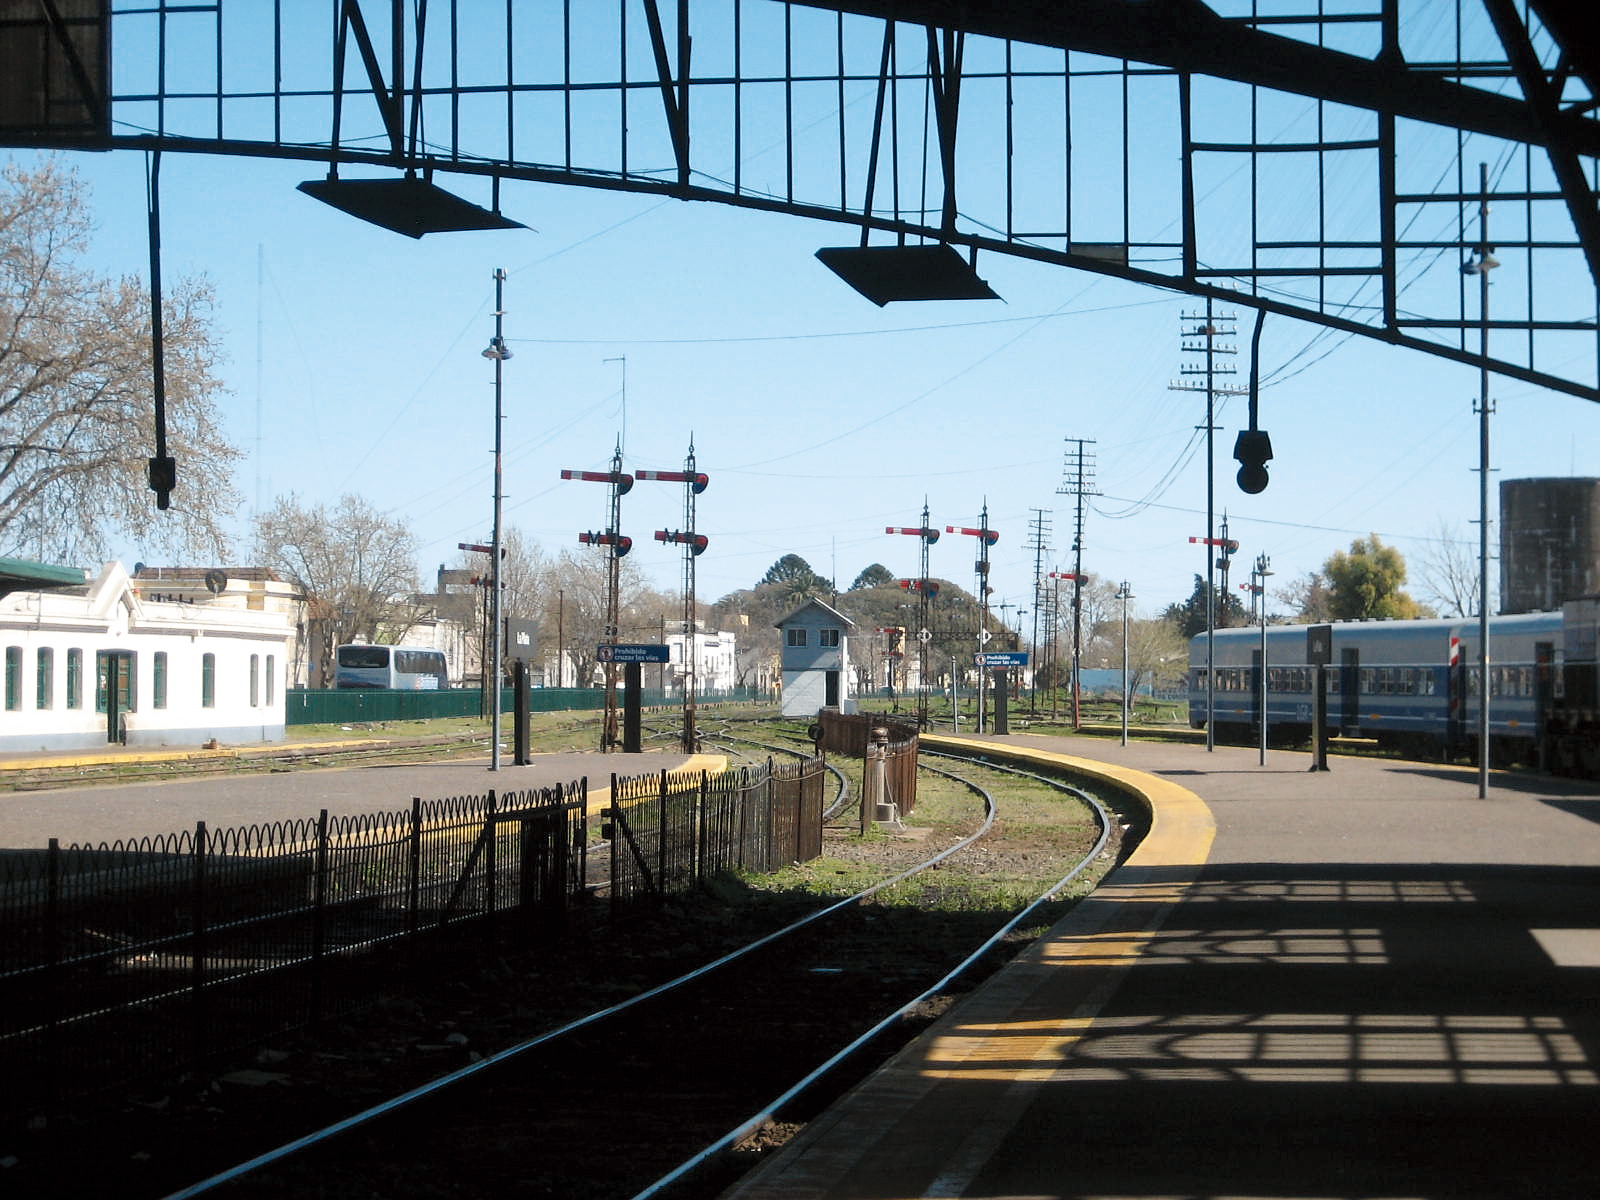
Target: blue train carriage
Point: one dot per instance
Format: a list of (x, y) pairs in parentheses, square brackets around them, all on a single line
[(1570, 693), (1412, 686)]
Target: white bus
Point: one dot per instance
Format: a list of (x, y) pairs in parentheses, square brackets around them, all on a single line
[(397, 668)]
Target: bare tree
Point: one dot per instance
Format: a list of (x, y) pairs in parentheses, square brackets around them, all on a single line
[(526, 575), (1447, 573), (356, 566), (581, 577), (76, 413)]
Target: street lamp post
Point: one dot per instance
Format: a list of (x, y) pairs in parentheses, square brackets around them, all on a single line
[(1480, 265), (1261, 574), (499, 352)]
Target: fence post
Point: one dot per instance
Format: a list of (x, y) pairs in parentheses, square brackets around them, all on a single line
[(744, 813), (768, 860), (53, 976), (701, 841), (490, 865), (616, 848), (197, 949), (661, 839), (414, 883), (319, 914), (580, 836)]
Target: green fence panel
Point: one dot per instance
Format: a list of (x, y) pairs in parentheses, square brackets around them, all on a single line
[(312, 706)]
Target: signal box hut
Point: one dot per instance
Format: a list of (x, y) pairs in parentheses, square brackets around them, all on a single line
[(816, 660), (95, 661)]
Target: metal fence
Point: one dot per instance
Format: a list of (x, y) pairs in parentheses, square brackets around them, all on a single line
[(119, 961), (669, 832), (851, 733)]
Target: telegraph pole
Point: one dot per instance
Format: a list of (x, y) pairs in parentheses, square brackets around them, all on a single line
[(1079, 482), (1200, 334)]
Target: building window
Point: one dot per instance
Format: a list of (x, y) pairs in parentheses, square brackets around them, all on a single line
[(794, 637), (46, 678), (158, 680), (828, 637), (272, 671), (74, 678), (255, 680), (13, 678), (208, 681)]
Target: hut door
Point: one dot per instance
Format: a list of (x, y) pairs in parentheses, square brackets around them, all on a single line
[(114, 691), (830, 688)]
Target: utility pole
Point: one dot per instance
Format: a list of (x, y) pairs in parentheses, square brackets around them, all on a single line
[(499, 352), (1038, 542), (1481, 264), (1078, 481), (1200, 333)]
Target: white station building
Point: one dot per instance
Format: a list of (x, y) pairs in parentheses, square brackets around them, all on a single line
[(91, 663)]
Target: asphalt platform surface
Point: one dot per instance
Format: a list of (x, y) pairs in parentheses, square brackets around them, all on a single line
[(1364, 983)]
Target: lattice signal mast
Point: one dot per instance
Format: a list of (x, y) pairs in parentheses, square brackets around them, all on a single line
[(620, 483), (694, 545), (986, 538), (926, 591)]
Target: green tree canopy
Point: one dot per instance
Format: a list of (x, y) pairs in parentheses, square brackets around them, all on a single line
[(1364, 583), (1190, 616), (796, 580), (877, 575)]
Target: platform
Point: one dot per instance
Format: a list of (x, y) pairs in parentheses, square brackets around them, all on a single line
[(1360, 983)]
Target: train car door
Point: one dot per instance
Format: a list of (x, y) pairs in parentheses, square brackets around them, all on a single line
[(1544, 697), (1350, 690), (114, 691)]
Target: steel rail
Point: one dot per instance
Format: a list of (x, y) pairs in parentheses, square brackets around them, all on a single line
[(424, 1091), (771, 1111)]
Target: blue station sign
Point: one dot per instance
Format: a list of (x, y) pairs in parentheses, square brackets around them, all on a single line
[(1003, 658), (634, 653)]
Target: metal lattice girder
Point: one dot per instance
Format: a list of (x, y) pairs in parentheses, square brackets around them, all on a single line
[(1312, 158)]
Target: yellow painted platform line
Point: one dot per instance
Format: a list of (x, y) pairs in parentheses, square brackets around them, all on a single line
[(44, 762), (919, 1118), (711, 764)]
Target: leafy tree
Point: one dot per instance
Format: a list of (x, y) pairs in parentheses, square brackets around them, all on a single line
[(877, 575), (796, 578), (76, 415), (356, 566), (1364, 583), (1190, 616)]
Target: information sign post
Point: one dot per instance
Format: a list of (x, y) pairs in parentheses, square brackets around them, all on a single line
[(632, 657), (1319, 653)]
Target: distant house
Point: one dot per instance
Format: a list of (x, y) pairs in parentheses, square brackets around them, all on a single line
[(101, 661), (816, 660), (715, 664)]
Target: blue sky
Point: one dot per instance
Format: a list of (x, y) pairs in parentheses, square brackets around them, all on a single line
[(354, 366)]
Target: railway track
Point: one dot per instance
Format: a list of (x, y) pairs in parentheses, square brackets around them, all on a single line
[(664, 1093)]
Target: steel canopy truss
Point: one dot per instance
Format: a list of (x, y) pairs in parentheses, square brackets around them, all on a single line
[(1317, 161)]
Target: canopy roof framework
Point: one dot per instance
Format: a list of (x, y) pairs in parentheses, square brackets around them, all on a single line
[(1312, 158)]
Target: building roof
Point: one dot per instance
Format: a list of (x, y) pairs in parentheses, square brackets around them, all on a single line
[(22, 575), (815, 603)]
